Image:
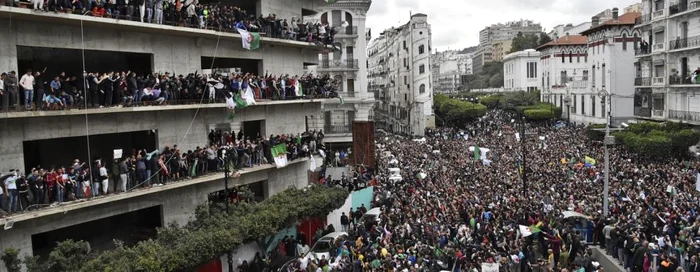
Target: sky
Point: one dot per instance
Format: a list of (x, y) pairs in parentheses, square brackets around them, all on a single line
[(456, 24)]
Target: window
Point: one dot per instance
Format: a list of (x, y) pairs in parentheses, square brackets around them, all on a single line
[(593, 106), (602, 108), (563, 55), (405, 80), (404, 45), (531, 89), (421, 89), (564, 78), (593, 77), (405, 62), (578, 58), (585, 57), (624, 41), (585, 75), (421, 69), (405, 97), (634, 42), (573, 105), (571, 57), (603, 75), (583, 105), (421, 49), (532, 70)]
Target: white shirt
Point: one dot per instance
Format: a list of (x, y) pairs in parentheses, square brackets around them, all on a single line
[(103, 171), (11, 182), (27, 82), (2, 85)]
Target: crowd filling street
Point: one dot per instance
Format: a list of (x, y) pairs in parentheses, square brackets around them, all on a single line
[(457, 209), (53, 185), (33, 91)]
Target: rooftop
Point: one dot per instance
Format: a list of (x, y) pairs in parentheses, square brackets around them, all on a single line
[(524, 53), (567, 40), (624, 19)]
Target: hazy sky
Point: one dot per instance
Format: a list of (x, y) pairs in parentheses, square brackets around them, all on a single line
[(456, 23)]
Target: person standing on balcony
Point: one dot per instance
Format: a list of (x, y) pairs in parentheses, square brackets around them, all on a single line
[(149, 10), (39, 88), (158, 11), (27, 83)]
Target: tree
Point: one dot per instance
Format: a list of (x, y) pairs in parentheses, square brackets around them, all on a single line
[(11, 259), (455, 112), (496, 81), (528, 41), (656, 140)]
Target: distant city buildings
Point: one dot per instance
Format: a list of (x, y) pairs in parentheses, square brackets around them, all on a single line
[(561, 30), (494, 40), (448, 68), (399, 75)]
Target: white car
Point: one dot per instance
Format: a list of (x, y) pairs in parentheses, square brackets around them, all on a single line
[(329, 242)]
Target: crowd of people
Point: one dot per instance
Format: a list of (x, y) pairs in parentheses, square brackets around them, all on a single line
[(192, 14), (453, 210), (32, 91), (43, 186)]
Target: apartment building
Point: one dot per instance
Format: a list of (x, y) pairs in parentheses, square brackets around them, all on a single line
[(667, 87), (494, 40), (400, 76), (561, 30), (447, 70), (347, 66), (610, 57), (564, 68), (501, 49), (520, 71)]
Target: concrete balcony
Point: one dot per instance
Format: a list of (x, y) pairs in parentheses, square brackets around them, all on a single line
[(658, 81), (26, 14), (337, 129), (347, 32), (659, 14), (96, 111), (686, 43), (658, 48), (680, 81), (678, 8), (642, 81), (339, 65), (641, 53), (688, 116)]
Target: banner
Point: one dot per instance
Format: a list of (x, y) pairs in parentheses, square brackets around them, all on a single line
[(489, 267)]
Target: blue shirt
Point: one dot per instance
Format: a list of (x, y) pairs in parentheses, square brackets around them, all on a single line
[(55, 85)]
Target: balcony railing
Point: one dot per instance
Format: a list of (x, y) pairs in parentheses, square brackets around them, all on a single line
[(641, 52), (642, 81), (684, 43), (679, 80), (337, 129), (693, 116), (643, 19), (657, 14), (657, 113), (348, 31), (339, 64), (678, 7), (642, 112), (658, 81), (658, 47)]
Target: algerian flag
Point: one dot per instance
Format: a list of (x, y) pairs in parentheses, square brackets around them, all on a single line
[(312, 164), (251, 41), (342, 101), (301, 90), (230, 105), (297, 88), (279, 152), (421, 175), (527, 231), (477, 153), (248, 96)]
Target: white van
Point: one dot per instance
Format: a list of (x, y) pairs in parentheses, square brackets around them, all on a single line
[(373, 214), (329, 242)]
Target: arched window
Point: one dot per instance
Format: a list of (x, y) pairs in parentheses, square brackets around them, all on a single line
[(624, 41), (578, 57), (421, 89), (571, 57), (563, 57)]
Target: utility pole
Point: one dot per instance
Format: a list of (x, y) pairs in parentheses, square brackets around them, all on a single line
[(607, 141), (522, 151), (227, 169)]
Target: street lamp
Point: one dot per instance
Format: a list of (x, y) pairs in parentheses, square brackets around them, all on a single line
[(604, 95)]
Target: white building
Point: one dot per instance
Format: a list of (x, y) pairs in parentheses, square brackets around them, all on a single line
[(610, 58), (348, 66), (563, 68), (665, 89), (520, 71), (400, 76)]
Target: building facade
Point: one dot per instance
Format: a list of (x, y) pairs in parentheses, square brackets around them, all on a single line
[(610, 55), (561, 30), (667, 85), (495, 40), (30, 138), (564, 68), (400, 68), (520, 71), (447, 70), (501, 49), (349, 66)]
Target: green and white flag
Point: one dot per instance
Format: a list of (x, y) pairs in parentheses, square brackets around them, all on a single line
[(342, 101), (279, 152), (331, 1), (233, 102), (251, 41)]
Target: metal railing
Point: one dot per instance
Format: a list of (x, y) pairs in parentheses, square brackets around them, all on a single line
[(641, 52), (679, 7), (679, 80), (642, 81), (657, 14), (658, 81), (684, 115), (657, 113), (642, 112), (337, 129), (658, 47), (684, 43), (643, 19), (339, 64), (348, 31)]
